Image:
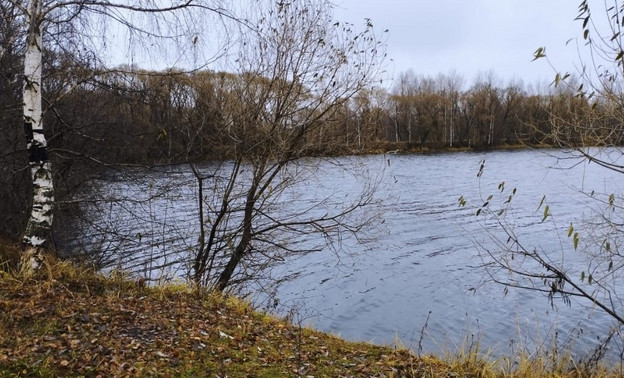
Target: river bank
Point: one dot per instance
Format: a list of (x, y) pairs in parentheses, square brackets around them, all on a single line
[(382, 148), (68, 320)]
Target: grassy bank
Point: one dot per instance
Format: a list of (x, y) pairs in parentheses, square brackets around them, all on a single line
[(70, 321), (406, 148)]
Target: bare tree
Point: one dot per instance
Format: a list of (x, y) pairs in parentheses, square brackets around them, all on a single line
[(14, 202), (295, 73), (584, 115)]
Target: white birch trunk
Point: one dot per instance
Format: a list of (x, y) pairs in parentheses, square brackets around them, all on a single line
[(37, 230)]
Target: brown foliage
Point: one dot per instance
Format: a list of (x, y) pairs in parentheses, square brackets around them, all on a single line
[(70, 321)]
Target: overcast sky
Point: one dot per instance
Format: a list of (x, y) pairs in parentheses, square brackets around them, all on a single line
[(472, 36)]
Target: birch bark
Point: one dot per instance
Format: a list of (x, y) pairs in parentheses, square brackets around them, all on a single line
[(37, 232)]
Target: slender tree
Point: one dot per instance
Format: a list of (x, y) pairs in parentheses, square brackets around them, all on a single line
[(581, 113), (14, 204), (39, 224), (296, 72)]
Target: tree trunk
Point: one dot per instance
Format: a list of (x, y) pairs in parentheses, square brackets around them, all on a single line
[(37, 232), (241, 248)]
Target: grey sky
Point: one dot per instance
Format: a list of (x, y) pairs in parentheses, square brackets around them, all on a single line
[(472, 36)]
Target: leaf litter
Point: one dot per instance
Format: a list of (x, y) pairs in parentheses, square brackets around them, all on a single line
[(73, 322)]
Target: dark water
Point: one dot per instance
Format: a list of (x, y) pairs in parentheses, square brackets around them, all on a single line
[(420, 280)]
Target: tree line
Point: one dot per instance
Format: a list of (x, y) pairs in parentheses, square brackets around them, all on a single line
[(130, 116)]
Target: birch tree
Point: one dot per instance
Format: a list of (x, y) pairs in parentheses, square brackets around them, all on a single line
[(172, 23), (40, 221)]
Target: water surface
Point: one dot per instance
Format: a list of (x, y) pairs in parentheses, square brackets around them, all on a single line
[(421, 279)]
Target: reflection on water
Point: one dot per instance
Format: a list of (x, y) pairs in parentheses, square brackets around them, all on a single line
[(425, 265)]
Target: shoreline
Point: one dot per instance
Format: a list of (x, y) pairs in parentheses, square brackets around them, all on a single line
[(68, 319)]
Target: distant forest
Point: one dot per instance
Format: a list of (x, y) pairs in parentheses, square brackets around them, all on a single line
[(125, 116)]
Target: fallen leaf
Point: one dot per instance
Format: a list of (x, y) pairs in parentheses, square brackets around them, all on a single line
[(225, 335)]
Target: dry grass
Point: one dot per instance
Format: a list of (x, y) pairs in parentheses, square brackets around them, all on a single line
[(9, 254), (71, 321)]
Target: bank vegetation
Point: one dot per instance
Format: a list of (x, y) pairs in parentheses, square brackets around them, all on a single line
[(68, 320)]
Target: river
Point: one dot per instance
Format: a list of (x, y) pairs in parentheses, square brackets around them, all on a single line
[(419, 280)]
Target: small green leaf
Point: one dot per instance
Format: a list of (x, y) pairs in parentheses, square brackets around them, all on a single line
[(570, 230), (539, 53), (576, 240), (586, 34), (557, 80), (462, 201), (501, 212), (541, 203), (478, 212), (611, 199), (545, 212), (501, 186), (590, 279), (482, 162), (582, 276), (608, 247)]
